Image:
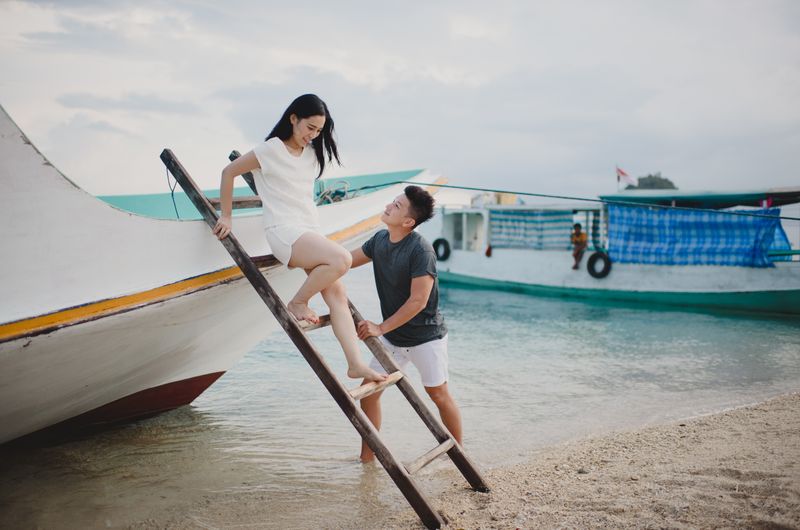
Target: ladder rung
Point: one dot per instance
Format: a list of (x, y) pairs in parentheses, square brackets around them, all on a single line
[(324, 320), (430, 456), (363, 391), (249, 201)]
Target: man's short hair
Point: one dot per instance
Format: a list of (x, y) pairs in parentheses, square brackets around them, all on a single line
[(577, 225), (420, 206)]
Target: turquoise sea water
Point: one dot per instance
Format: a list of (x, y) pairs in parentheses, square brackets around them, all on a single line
[(267, 447)]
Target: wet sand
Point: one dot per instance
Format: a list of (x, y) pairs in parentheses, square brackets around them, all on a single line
[(736, 469)]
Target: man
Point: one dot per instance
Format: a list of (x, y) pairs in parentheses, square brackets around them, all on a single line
[(413, 329), (579, 244)]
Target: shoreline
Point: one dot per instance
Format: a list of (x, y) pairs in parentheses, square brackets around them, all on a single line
[(734, 469)]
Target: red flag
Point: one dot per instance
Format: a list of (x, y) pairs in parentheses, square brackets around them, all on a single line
[(625, 177)]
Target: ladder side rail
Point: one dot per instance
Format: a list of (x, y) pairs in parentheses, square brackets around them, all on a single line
[(464, 464), (357, 417), (248, 177)]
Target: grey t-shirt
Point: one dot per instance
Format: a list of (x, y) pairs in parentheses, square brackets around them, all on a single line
[(395, 264)]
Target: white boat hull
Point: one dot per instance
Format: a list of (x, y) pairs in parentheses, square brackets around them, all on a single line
[(106, 315), (549, 272), (79, 369)]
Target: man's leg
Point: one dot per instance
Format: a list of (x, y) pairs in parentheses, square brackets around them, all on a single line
[(371, 405), (448, 410)]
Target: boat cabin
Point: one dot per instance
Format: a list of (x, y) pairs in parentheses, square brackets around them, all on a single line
[(546, 228), (644, 226)]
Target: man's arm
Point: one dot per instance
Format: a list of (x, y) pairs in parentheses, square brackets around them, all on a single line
[(421, 287), (359, 258)]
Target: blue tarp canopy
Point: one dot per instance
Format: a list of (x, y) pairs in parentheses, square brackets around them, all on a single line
[(708, 199), (678, 237)]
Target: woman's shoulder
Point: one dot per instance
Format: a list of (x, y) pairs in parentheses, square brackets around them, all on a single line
[(268, 144), (268, 149)]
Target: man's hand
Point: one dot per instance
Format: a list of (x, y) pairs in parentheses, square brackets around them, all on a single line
[(367, 328)]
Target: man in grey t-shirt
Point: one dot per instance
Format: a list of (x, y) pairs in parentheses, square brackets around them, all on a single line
[(413, 329)]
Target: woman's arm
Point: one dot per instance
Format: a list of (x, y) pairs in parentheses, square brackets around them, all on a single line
[(243, 164)]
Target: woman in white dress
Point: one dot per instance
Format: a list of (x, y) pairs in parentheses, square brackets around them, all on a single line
[(285, 167)]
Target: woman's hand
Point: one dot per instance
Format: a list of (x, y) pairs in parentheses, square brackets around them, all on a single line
[(223, 227)]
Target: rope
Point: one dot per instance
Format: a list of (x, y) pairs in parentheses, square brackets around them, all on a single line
[(603, 201), (172, 193)]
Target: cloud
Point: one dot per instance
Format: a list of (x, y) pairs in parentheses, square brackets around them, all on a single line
[(534, 96), (131, 102), (76, 35)]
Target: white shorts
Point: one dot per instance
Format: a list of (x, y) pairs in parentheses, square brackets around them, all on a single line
[(430, 358), (282, 237)]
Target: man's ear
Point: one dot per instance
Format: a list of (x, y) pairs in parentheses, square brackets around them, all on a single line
[(409, 222)]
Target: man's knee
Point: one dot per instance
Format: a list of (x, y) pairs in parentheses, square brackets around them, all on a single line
[(439, 394)]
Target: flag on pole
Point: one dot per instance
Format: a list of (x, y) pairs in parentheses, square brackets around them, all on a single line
[(621, 175)]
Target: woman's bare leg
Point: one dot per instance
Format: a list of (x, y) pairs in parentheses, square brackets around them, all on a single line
[(345, 330), (325, 262)]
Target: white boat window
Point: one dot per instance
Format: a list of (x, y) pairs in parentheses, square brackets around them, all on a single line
[(465, 231)]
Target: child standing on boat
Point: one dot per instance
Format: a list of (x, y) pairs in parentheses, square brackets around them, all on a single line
[(579, 243), (413, 329), (285, 167)]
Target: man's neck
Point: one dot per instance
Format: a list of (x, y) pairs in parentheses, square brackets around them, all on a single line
[(397, 233)]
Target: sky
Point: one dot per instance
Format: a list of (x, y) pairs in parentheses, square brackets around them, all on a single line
[(540, 97)]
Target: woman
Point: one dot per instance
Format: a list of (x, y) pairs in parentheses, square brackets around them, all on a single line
[(284, 168)]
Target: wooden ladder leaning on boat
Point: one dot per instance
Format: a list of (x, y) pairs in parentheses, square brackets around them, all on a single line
[(346, 399)]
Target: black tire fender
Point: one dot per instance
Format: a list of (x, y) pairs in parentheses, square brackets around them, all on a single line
[(442, 249), (591, 265)]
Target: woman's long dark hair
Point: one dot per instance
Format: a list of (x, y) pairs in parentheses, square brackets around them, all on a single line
[(306, 106)]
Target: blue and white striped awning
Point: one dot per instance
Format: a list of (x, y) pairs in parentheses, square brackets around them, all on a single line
[(533, 229)]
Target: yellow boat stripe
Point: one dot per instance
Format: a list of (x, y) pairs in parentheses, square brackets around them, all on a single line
[(113, 305), (92, 310)]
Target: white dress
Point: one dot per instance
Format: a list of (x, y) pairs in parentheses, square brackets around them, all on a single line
[(285, 184)]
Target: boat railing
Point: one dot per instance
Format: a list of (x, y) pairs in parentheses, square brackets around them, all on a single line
[(781, 255)]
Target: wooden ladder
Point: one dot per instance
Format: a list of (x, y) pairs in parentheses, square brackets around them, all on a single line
[(346, 399)]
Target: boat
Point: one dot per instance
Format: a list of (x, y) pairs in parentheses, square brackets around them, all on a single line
[(117, 309), (719, 250)]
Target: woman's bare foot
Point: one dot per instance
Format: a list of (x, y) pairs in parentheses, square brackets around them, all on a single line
[(302, 312), (363, 371)]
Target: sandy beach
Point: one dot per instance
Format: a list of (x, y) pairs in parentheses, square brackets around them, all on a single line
[(735, 469)]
